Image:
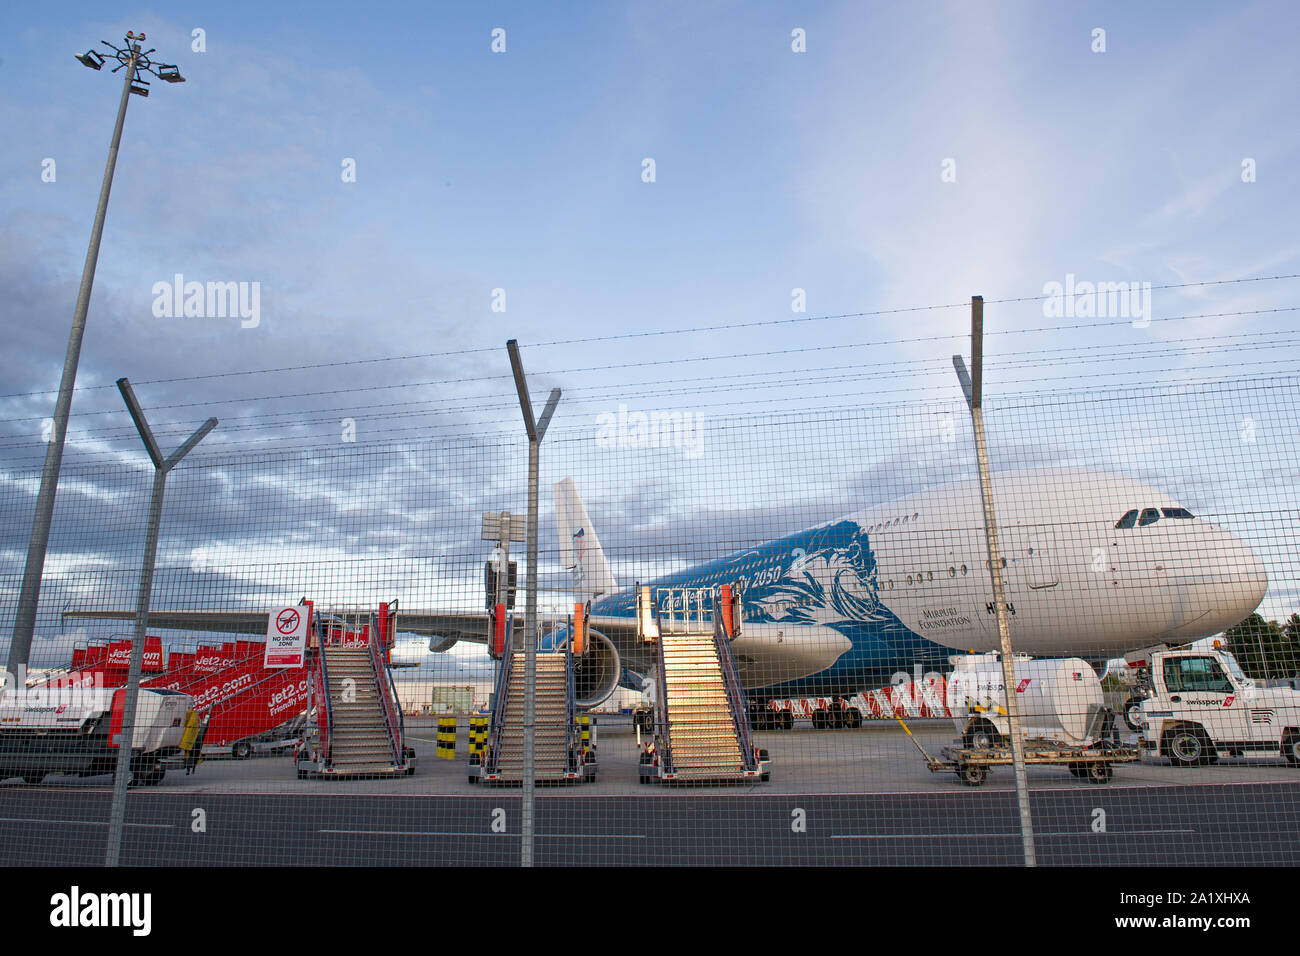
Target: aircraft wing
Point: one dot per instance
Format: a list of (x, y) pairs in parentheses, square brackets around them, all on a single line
[(451, 626), (472, 626), (221, 622)]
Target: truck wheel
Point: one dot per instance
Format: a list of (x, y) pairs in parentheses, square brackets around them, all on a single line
[(1291, 747), (1133, 714), (972, 774), (148, 775), (981, 735), (1099, 772), (1187, 746)]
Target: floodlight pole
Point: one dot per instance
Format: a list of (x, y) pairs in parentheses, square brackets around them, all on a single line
[(536, 430), (135, 61), (972, 385), (161, 466)]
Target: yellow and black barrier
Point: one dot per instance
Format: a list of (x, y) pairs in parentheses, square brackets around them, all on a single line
[(585, 724), (447, 738), (478, 734)]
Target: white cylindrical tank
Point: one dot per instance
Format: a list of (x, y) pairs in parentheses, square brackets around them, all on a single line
[(1057, 697)]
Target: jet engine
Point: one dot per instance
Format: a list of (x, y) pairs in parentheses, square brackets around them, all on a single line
[(596, 672)]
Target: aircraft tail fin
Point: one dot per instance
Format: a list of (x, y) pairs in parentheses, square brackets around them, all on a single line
[(580, 549)]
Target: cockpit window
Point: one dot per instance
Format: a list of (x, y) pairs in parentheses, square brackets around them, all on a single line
[(1129, 519), (1148, 516), (1177, 513)]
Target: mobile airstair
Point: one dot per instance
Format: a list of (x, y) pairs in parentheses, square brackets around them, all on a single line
[(559, 754), (358, 729), (701, 732)]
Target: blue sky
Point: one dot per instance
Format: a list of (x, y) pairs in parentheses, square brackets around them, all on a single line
[(522, 171)]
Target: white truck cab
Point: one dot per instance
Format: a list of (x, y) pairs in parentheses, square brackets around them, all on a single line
[(1202, 707)]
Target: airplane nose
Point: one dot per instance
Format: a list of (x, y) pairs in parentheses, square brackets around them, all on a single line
[(1244, 577)]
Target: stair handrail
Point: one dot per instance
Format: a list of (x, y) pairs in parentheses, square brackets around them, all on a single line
[(195, 677), (570, 710), (499, 700), (401, 712), (387, 693), (735, 693), (661, 694), (323, 685)]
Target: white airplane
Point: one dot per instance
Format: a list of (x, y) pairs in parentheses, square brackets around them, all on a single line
[(1096, 565)]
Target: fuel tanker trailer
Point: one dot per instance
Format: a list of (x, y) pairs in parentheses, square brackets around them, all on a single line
[(1059, 700)]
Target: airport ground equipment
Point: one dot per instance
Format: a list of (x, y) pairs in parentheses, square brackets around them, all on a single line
[(447, 737), (1203, 707), (643, 718), (245, 707), (478, 732), (359, 728), (559, 754), (972, 763), (1135, 677), (68, 726), (1059, 700), (701, 732), (1063, 720)]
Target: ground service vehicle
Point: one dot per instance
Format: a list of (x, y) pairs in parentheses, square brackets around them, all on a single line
[(1203, 707), (70, 729), (1058, 699), (1063, 721)]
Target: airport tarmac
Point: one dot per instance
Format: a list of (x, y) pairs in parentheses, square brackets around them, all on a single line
[(878, 758), (853, 797)]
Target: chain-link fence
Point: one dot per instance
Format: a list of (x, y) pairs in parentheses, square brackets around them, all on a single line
[(836, 700)]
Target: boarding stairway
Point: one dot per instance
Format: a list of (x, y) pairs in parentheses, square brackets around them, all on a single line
[(702, 733), (360, 741), (359, 722), (558, 755)]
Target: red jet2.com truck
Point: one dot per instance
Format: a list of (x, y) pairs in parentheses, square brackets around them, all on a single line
[(1203, 707), (67, 728)]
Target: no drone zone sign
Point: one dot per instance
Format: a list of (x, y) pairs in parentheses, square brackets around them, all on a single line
[(286, 637)]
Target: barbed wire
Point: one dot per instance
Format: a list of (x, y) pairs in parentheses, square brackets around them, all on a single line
[(624, 336)]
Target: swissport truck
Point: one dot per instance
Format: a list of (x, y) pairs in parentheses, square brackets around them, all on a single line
[(1063, 720), (1202, 707), (71, 729)]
